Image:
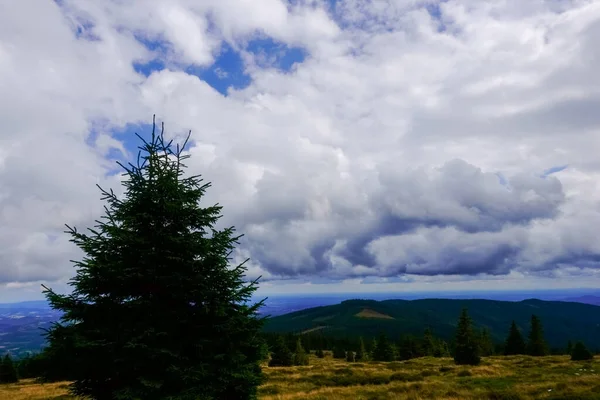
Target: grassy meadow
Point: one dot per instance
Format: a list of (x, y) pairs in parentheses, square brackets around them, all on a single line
[(497, 378)]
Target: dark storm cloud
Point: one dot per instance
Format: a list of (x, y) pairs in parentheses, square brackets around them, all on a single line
[(453, 220)]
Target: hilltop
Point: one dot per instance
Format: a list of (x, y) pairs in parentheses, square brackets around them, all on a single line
[(563, 321)]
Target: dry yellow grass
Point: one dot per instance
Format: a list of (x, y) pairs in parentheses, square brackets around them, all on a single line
[(29, 390), (497, 378)]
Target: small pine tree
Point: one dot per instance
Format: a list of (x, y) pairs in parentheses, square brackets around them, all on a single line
[(486, 345), (361, 352), (8, 372), (441, 349), (281, 356), (536, 346), (339, 352), (372, 347), (569, 347), (428, 343), (466, 351), (581, 353), (514, 342), (408, 347), (383, 349), (300, 356), (320, 353), (350, 356)]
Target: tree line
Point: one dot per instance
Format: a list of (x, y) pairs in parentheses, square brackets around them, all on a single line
[(287, 349), (467, 347)]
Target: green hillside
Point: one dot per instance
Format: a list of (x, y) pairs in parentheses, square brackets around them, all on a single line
[(562, 321)]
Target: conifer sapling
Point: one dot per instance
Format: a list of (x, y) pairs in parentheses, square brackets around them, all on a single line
[(300, 356), (515, 344), (467, 347), (536, 345), (281, 356)]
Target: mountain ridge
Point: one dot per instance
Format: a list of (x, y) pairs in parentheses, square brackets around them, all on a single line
[(563, 321)]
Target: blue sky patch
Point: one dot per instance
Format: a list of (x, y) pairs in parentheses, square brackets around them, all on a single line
[(435, 12), (160, 50), (228, 71), (276, 54), (554, 170)]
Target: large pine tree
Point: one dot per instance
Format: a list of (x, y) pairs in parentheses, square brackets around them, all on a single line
[(157, 311), (515, 344), (466, 351), (536, 345)]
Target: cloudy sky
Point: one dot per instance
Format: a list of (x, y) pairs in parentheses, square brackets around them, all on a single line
[(399, 145)]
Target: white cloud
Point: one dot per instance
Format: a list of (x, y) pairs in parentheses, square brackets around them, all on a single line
[(383, 152)]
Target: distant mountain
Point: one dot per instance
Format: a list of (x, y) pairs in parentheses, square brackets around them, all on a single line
[(35, 304), (21, 326), (21, 323), (589, 299), (563, 321)]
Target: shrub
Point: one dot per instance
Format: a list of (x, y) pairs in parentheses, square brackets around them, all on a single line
[(504, 395), (581, 353), (405, 377)]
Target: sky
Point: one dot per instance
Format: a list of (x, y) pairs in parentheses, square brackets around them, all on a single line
[(359, 146)]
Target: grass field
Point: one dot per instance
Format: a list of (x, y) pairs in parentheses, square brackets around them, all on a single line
[(497, 378)]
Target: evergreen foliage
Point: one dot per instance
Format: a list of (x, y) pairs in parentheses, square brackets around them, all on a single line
[(569, 347), (350, 357), (428, 344), (486, 345), (339, 352), (536, 345), (361, 352), (31, 366), (441, 349), (156, 311), (8, 371), (515, 344), (466, 350), (281, 356), (408, 347), (300, 356), (320, 353), (581, 353), (383, 350)]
